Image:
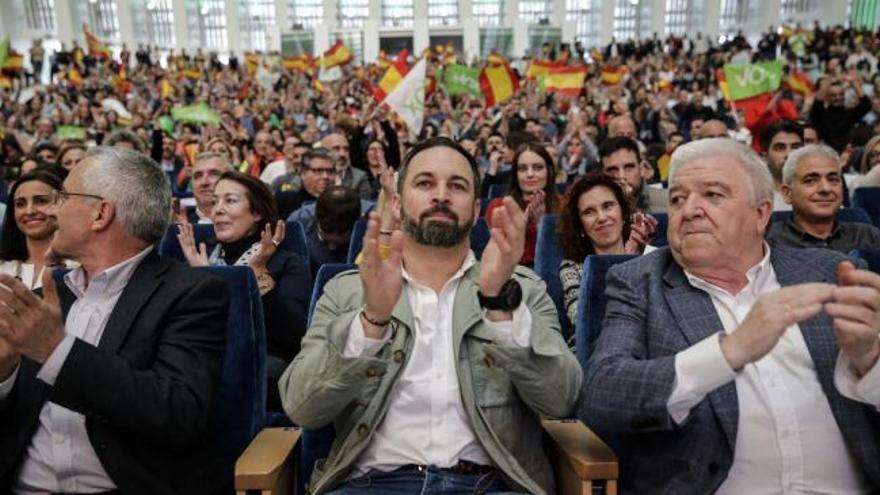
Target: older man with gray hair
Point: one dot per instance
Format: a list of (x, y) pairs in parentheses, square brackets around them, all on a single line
[(812, 184), (107, 380), (730, 366)]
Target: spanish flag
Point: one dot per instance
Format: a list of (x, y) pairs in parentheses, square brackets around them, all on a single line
[(14, 63), (495, 59), (538, 68), (338, 54), (166, 90), (612, 75), (120, 81), (498, 83), (799, 83), (567, 80), (722, 84), (251, 62), (97, 49), (393, 76), (191, 74), (75, 78), (384, 60), (5, 82), (301, 63)]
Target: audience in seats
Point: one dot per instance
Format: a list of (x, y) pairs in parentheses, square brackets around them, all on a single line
[(107, 381), (533, 188), (830, 113), (596, 218), (435, 368), (28, 227), (726, 365), (778, 141), (812, 183), (249, 233), (348, 176), (336, 212)]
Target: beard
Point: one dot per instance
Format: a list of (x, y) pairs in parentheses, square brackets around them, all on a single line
[(432, 233)]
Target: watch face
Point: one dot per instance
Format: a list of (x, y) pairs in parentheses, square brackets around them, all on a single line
[(512, 295)]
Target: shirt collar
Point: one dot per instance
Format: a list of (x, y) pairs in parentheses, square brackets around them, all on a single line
[(469, 261), (835, 230), (109, 282), (756, 276)]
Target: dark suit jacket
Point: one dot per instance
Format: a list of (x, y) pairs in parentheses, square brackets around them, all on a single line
[(145, 390), (652, 313)]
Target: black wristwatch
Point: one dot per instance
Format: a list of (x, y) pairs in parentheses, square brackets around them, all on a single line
[(507, 300)]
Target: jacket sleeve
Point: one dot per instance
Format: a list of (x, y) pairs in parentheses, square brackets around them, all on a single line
[(624, 389), (170, 402), (546, 374), (321, 382)]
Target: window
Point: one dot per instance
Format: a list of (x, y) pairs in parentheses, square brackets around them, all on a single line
[(443, 12), (40, 14), (735, 15), (397, 13), (304, 14), (794, 11), (352, 13), (157, 26), (626, 19), (684, 17), (488, 13), (103, 20), (536, 11), (256, 20), (207, 24), (587, 17)]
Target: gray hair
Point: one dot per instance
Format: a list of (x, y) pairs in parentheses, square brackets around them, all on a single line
[(136, 186), (125, 136), (760, 180), (319, 152), (210, 155), (797, 156)]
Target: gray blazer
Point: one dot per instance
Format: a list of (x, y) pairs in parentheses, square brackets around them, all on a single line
[(653, 312)]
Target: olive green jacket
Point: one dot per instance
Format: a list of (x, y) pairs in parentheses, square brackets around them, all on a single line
[(505, 390)]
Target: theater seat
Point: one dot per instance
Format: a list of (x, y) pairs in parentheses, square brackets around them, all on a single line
[(844, 215), (868, 198), (281, 460), (240, 403), (548, 256)]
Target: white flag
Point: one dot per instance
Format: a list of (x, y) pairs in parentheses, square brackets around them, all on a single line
[(408, 98), (329, 75)]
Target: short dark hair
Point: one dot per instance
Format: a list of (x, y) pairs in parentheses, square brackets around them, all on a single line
[(337, 209), (775, 128), (13, 245), (434, 142), (259, 196), (125, 136), (614, 144), (322, 153), (573, 241)]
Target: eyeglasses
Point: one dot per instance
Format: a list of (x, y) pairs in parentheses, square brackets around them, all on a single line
[(59, 197), (322, 171)]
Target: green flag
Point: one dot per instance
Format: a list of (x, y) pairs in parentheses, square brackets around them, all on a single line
[(70, 132), (4, 51), (166, 124), (199, 113), (460, 79), (748, 80)]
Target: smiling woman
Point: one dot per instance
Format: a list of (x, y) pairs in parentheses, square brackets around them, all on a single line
[(28, 227)]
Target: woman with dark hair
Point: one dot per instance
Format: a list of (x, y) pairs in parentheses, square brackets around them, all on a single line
[(28, 227), (595, 219), (244, 214), (376, 166), (533, 188)]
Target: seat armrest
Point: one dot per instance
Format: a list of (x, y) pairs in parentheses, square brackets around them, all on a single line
[(583, 451), (266, 464)]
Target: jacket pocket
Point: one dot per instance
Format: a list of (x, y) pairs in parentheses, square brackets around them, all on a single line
[(492, 384)]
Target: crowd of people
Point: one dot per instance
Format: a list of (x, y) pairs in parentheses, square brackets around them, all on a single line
[(97, 162)]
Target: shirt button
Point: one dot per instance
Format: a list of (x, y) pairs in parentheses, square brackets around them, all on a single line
[(59, 439), (363, 429), (398, 356)]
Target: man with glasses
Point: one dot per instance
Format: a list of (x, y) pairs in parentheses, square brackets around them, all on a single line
[(107, 381), (318, 173)]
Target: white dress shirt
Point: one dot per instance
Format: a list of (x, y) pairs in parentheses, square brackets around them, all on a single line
[(426, 423), (60, 457), (787, 438)]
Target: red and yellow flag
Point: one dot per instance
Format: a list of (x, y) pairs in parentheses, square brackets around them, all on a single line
[(75, 78), (567, 80), (612, 75), (338, 54), (5, 82), (495, 59), (498, 83), (392, 76), (301, 63), (120, 81), (14, 63), (166, 90), (539, 67), (251, 62), (97, 49), (722, 84), (799, 82)]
